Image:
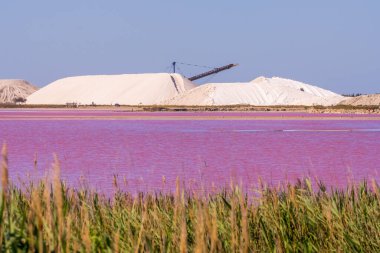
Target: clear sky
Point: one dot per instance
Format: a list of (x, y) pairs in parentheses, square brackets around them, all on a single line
[(331, 44)]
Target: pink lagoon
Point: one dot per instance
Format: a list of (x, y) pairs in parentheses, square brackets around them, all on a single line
[(148, 151)]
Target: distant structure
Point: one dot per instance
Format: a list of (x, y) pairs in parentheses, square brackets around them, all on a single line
[(72, 105)]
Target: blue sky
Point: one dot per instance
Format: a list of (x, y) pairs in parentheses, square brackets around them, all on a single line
[(332, 44)]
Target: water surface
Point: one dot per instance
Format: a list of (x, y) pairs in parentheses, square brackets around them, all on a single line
[(96, 145)]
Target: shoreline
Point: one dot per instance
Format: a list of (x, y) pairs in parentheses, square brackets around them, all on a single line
[(38, 114), (338, 109)]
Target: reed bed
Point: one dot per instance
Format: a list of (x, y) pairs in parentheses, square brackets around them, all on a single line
[(48, 216)]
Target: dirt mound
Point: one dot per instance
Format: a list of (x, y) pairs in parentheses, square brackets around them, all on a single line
[(366, 100), (12, 90)]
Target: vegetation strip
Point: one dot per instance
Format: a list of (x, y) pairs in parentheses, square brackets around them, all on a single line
[(50, 217), (174, 117)]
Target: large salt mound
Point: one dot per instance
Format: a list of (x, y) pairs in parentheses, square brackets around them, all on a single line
[(261, 91), (14, 89), (128, 89), (366, 100)]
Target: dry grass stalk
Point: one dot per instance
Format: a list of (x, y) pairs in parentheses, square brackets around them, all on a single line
[(200, 228), (116, 239), (4, 190), (4, 170), (214, 231), (141, 231), (244, 238), (58, 201), (86, 238)]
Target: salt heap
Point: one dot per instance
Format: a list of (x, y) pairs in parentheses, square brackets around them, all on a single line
[(261, 91), (174, 89), (11, 90), (128, 89), (364, 100)]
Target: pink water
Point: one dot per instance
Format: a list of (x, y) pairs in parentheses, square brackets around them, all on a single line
[(199, 152), (115, 113)]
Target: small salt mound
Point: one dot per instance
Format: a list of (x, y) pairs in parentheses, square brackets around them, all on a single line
[(261, 91), (366, 100), (128, 89), (11, 90)]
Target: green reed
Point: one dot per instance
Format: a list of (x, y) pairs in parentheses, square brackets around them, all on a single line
[(50, 217)]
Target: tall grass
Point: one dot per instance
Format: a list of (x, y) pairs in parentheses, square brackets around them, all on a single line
[(50, 217)]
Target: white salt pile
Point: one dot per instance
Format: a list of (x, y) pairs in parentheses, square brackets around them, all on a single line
[(261, 91), (13, 90), (128, 89), (174, 89)]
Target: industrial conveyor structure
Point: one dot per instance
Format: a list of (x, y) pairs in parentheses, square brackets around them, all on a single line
[(208, 73)]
